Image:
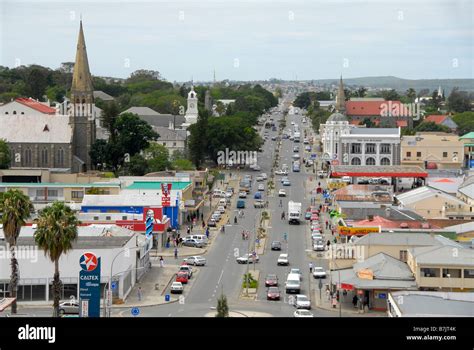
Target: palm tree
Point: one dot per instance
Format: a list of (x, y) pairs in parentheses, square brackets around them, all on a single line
[(16, 208), (55, 233)]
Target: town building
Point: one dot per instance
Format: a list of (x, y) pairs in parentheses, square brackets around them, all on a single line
[(443, 120), (192, 108), (156, 119), (380, 112), (173, 139), (26, 106), (432, 150), (468, 140)]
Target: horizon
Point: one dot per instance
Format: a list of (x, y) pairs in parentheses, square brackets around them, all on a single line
[(260, 38)]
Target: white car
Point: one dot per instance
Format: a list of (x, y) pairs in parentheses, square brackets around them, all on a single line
[(242, 194), (301, 301), (228, 194), (286, 183), (285, 178), (319, 272), (302, 313), (282, 193), (221, 209), (315, 236), (281, 172), (261, 187), (264, 175), (296, 271), (306, 141), (176, 287), (318, 245), (246, 258), (195, 260), (260, 178), (283, 260)]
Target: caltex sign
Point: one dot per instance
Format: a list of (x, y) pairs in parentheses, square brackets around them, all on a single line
[(89, 285)]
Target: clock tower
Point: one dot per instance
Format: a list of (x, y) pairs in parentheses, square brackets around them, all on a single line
[(192, 108)]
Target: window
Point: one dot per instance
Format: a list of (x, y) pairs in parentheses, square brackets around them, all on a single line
[(77, 194), (468, 273), (370, 161), (44, 157), (385, 161), (108, 218), (428, 272), (60, 157), (14, 112), (124, 218), (355, 161), (445, 154), (370, 148), (52, 193), (355, 148), (408, 154), (164, 143), (385, 148), (174, 144), (418, 154), (403, 255), (28, 156), (453, 273), (40, 193)]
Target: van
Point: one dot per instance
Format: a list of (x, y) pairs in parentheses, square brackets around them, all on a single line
[(240, 204), (200, 238), (218, 193), (293, 283)]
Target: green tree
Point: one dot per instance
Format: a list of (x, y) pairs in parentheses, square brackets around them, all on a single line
[(99, 154), (222, 307), (431, 126), (37, 82), (465, 122), (5, 158), (55, 233), (138, 165), (361, 92), (197, 142), (458, 101), (411, 95), (157, 157), (16, 209), (390, 95), (369, 123), (182, 164), (109, 115)]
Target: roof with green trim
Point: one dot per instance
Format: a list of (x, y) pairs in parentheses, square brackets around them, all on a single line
[(156, 185)]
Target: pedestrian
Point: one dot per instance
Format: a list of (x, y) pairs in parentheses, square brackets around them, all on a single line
[(168, 242), (191, 226), (188, 218), (327, 224), (176, 253), (243, 235), (281, 203), (328, 243), (188, 230), (235, 219), (139, 293), (328, 294), (203, 225), (162, 261), (335, 240), (334, 302), (202, 217), (354, 301), (207, 233), (310, 267), (283, 215)]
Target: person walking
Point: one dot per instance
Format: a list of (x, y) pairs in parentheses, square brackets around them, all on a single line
[(202, 217), (310, 267), (283, 215), (162, 261), (327, 224), (281, 203), (354, 300), (207, 233), (139, 293), (235, 219), (176, 253)]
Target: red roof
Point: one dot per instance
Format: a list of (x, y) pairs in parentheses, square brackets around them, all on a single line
[(368, 108), (437, 119), (386, 223), (36, 105)]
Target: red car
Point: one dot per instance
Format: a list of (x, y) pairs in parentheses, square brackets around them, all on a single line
[(314, 217), (271, 281), (273, 293), (182, 277)]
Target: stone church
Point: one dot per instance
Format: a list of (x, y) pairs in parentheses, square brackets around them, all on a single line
[(39, 138)]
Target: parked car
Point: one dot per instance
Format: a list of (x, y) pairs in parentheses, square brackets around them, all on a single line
[(247, 258), (176, 287), (282, 193), (257, 195), (316, 236), (285, 178), (212, 223), (307, 215), (221, 209), (259, 203), (319, 272), (242, 194), (260, 178), (271, 280), (286, 183), (69, 307), (301, 301), (281, 172), (261, 187), (296, 271), (196, 260), (191, 242), (302, 313), (186, 268), (273, 293), (318, 245), (276, 245), (264, 176), (240, 204), (283, 260), (296, 149), (182, 276)]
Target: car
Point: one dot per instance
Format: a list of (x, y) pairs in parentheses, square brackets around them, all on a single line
[(316, 236), (283, 260), (286, 183), (282, 193), (306, 141), (176, 287), (222, 202), (307, 148), (229, 194), (274, 138), (240, 204), (248, 258), (302, 313), (314, 217), (257, 195), (307, 215), (285, 178), (218, 194), (296, 271), (296, 149), (230, 189), (69, 307), (281, 172), (271, 280), (221, 209), (292, 123), (322, 174), (259, 203), (273, 293), (276, 245), (182, 276), (301, 301), (296, 156), (318, 245), (195, 260), (256, 168), (264, 175), (242, 194), (212, 223), (260, 178), (248, 177), (216, 216), (186, 268), (191, 242), (319, 272), (261, 187)]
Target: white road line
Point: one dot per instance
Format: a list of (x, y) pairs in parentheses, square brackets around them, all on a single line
[(220, 277)]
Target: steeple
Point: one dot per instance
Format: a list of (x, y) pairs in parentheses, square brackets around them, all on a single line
[(340, 98), (81, 79)]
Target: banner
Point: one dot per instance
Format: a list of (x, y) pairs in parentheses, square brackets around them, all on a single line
[(350, 231), (166, 194)]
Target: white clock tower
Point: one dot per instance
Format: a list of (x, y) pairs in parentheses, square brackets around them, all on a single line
[(192, 110)]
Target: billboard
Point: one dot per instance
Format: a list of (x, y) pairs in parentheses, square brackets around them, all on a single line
[(166, 194), (351, 231), (89, 285)]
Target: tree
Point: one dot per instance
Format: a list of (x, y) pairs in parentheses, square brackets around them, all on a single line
[(411, 95), (5, 158), (182, 164), (144, 74), (157, 157), (369, 123), (465, 122), (305, 99), (361, 92), (197, 143), (99, 153), (138, 165), (109, 115), (431, 126), (16, 208), (390, 95), (37, 83), (458, 101), (55, 233), (435, 102), (222, 307)]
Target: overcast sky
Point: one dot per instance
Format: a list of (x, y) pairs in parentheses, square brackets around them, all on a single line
[(246, 40)]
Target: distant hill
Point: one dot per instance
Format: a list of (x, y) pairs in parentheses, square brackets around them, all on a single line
[(403, 84)]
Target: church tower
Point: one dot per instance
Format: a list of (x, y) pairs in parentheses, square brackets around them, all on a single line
[(192, 110), (340, 98), (81, 108)]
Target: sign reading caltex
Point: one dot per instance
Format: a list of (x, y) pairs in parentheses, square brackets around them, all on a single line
[(89, 285)]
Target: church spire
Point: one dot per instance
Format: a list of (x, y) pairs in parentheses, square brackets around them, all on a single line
[(81, 79), (340, 98)]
